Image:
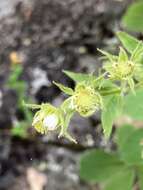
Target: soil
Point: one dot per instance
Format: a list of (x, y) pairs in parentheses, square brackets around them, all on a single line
[(51, 36)]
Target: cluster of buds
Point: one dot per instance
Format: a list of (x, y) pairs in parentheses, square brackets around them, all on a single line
[(121, 73), (84, 99)]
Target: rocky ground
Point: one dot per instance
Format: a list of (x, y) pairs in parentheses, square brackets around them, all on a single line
[(49, 36)]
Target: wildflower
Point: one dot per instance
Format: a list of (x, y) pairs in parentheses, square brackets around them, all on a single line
[(86, 100), (123, 68), (46, 119), (50, 118)]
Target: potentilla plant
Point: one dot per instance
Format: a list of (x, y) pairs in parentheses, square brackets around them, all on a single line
[(121, 75)]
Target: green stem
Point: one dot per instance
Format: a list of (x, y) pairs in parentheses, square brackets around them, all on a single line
[(110, 92)]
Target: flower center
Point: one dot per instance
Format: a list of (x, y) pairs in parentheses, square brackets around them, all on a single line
[(123, 70), (86, 101)]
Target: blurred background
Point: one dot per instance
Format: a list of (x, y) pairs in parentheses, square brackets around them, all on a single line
[(39, 39)]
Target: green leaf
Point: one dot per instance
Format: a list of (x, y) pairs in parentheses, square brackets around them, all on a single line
[(98, 166), (132, 19), (131, 149), (110, 113), (122, 135), (65, 89), (123, 180), (140, 177), (133, 105), (128, 41), (67, 105), (79, 77), (106, 86)]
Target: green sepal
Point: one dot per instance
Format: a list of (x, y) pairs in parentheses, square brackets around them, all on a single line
[(111, 57), (67, 105), (32, 106), (137, 53), (131, 84), (79, 77), (64, 89), (123, 57), (64, 126)]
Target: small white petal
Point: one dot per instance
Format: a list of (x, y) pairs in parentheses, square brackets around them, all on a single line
[(50, 122), (36, 120)]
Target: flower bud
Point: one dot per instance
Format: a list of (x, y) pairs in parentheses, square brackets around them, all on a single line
[(46, 119), (50, 122), (86, 100), (121, 70)]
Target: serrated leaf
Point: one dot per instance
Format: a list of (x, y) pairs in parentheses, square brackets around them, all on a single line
[(98, 166), (123, 180), (133, 105), (110, 113), (129, 42), (65, 89), (131, 150), (79, 77), (132, 19)]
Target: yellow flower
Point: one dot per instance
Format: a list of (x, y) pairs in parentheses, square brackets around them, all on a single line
[(121, 70), (86, 100)]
